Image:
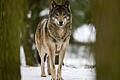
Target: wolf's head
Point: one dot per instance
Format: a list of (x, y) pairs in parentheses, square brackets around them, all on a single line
[(60, 15)]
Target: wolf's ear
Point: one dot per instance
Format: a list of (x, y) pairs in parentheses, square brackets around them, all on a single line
[(67, 4), (52, 4)]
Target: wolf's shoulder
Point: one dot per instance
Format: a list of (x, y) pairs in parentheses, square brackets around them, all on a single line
[(41, 28), (42, 22)]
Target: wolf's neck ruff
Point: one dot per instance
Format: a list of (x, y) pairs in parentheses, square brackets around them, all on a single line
[(57, 33)]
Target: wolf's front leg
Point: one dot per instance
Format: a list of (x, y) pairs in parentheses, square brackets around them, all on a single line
[(59, 71), (52, 66)]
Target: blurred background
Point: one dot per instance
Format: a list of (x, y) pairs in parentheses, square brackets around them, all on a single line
[(18, 22), (83, 33), (82, 39)]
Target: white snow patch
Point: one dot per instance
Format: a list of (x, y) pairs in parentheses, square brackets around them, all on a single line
[(44, 12), (22, 56), (80, 13), (29, 14), (33, 47), (83, 56), (32, 35), (68, 73), (85, 33)]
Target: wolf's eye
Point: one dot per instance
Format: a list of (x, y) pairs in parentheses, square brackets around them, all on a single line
[(64, 14), (56, 14)]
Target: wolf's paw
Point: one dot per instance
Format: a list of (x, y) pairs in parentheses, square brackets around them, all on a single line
[(43, 75), (60, 78), (49, 73), (52, 79)]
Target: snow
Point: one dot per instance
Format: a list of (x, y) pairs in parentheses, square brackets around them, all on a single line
[(85, 33), (68, 73), (82, 56), (80, 13), (22, 56), (29, 14), (74, 68), (44, 12)]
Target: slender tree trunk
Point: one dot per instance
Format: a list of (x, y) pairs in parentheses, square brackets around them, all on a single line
[(27, 45), (26, 39), (106, 17), (11, 20)]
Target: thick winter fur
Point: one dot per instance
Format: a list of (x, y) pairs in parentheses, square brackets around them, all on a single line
[(52, 38)]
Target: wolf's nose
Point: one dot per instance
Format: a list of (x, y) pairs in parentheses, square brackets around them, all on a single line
[(61, 23)]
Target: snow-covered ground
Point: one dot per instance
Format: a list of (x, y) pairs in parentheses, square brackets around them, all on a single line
[(69, 73), (74, 69)]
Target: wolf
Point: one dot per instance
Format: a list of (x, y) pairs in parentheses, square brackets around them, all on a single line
[(52, 37)]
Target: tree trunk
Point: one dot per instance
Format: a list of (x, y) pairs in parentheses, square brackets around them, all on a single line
[(11, 20), (26, 40), (27, 45), (106, 17)]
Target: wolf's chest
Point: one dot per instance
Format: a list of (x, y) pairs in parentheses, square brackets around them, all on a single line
[(58, 46)]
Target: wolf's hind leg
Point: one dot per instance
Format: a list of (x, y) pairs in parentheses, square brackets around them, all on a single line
[(48, 66), (43, 66)]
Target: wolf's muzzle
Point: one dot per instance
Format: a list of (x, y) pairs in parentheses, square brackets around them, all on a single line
[(60, 23)]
